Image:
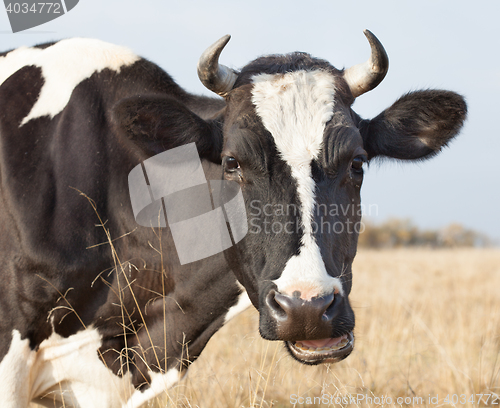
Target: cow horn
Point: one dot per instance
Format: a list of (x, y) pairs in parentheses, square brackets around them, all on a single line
[(216, 77), (364, 77)]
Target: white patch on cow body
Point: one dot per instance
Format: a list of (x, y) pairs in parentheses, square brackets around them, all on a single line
[(295, 107), (159, 384), (242, 304), (68, 372), (15, 373), (64, 65)]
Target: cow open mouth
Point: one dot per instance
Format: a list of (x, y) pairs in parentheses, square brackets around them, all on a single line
[(322, 351)]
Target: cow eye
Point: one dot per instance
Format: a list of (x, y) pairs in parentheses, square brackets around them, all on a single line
[(357, 163), (232, 164)]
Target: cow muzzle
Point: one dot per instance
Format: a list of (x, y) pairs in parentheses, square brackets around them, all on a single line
[(318, 330)]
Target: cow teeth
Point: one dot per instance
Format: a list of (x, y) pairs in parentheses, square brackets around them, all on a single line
[(322, 350)]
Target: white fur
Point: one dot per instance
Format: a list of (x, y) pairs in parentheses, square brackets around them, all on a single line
[(160, 383), (70, 370), (15, 374), (64, 65), (295, 108), (242, 304)]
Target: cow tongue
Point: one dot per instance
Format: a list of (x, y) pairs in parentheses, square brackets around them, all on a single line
[(323, 342)]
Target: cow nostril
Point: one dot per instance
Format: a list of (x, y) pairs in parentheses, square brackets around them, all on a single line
[(329, 308), (284, 307), (277, 310)]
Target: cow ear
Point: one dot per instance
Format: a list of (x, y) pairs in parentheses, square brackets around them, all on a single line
[(416, 126), (157, 123)]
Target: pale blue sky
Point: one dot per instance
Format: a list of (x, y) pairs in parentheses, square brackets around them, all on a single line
[(431, 44)]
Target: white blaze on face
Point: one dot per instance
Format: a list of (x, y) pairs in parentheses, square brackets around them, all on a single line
[(295, 108), (64, 65)]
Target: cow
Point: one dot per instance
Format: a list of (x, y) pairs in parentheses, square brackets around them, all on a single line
[(98, 311)]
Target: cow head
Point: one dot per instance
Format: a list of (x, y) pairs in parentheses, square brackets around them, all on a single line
[(289, 137)]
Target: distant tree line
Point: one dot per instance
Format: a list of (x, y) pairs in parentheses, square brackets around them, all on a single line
[(396, 233)]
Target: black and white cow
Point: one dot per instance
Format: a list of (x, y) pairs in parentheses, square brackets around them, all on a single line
[(99, 312)]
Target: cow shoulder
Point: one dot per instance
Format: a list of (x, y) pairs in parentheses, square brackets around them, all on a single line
[(64, 65)]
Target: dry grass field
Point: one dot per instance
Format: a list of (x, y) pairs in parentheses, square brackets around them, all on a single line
[(428, 327)]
